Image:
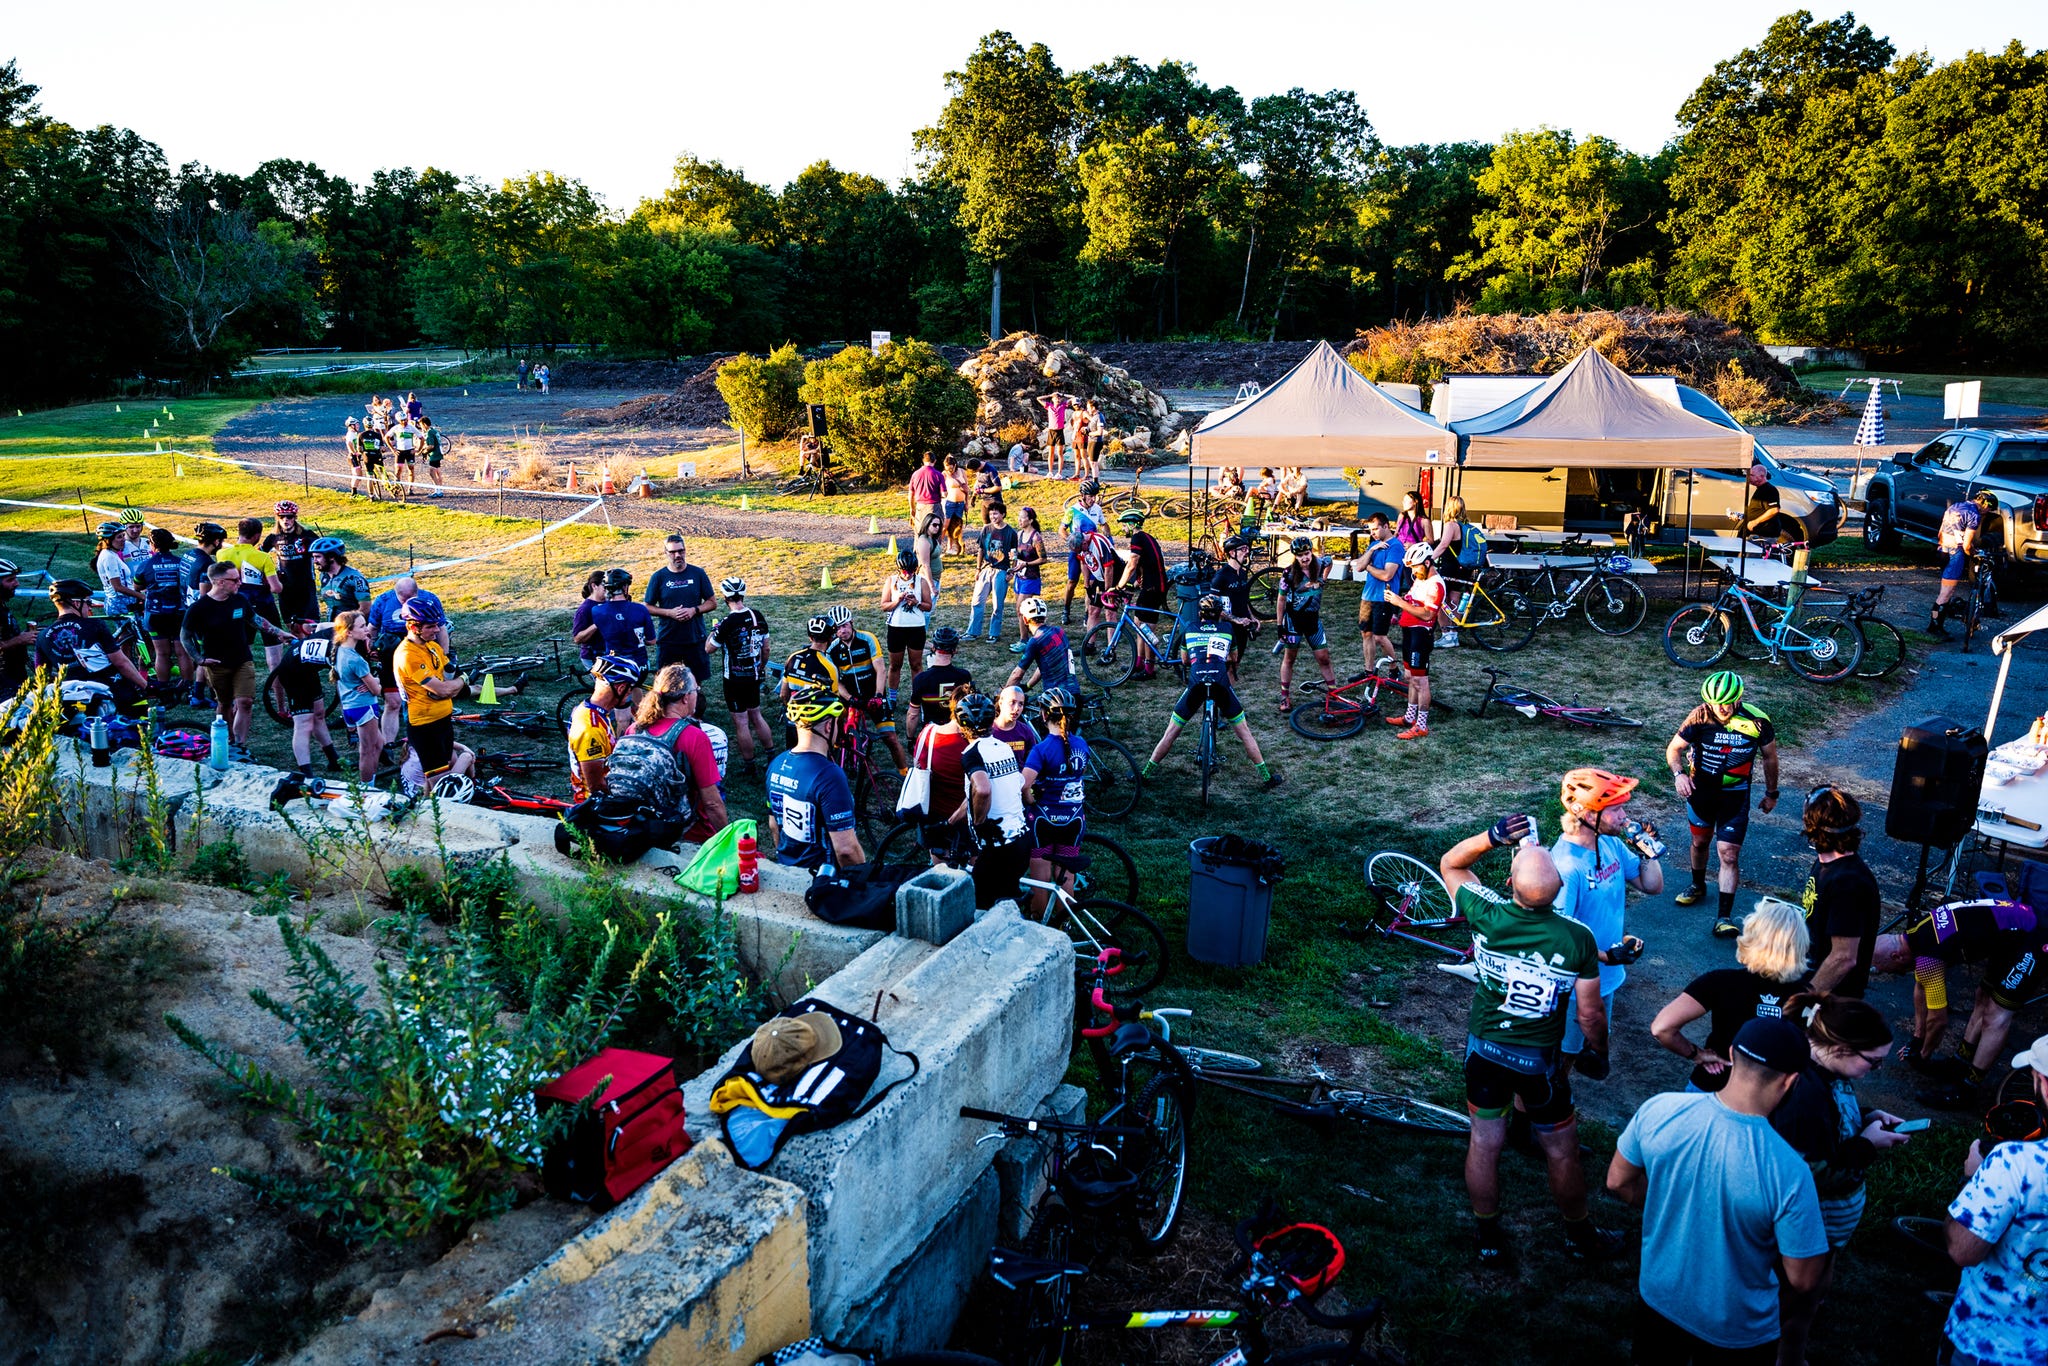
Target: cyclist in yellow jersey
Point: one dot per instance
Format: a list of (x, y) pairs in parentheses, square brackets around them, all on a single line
[(593, 733), (419, 664), (811, 669), (857, 656)]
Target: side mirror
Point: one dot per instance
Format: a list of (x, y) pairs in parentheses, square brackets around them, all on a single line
[(1904, 458)]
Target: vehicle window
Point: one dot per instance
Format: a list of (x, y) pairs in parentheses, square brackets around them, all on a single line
[(2023, 459), (1935, 452), (1964, 454)]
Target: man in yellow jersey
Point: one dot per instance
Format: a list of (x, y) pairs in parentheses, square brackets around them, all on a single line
[(855, 654), (429, 698), (593, 731)]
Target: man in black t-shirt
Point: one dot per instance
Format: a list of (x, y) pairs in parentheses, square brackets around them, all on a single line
[(932, 691), (678, 596), (291, 545), (216, 635), (1842, 903)]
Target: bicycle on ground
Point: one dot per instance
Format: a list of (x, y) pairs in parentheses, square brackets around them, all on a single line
[(1340, 711), (1533, 704), (1820, 649), (1409, 896)]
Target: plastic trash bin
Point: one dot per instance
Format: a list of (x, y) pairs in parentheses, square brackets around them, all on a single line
[(1230, 901)]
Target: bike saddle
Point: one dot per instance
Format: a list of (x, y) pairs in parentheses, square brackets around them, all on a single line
[(1013, 1270), (1073, 863), (1129, 1038)]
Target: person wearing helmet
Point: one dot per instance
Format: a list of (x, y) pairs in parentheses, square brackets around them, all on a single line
[(857, 656), (1206, 652), (216, 633), (1991, 545), (810, 803), (1301, 615), (1083, 515), (1046, 651), (1055, 786), (82, 648), (387, 633), (907, 596), (993, 812), (1601, 860), (308, 662), (298, 597), (618, 625), (1419, 607), (208, 538), (1378, 571), (405, 444), (420, 665), (1104, 566), (741, 639), (1232, 582), (1143, 581), (135, 547), (372, 444), (117, 576), (16, 640), (933, 688), (342, 587), (1713, 759), (680, 596), (161, 580), (352, 447), (594, 727), (995, 553)]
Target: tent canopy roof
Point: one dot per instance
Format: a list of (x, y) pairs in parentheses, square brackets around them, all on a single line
[(1321, 414), (1592, 414)]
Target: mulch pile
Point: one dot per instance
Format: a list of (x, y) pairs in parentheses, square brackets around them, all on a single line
[(1012, 375), (1203, 365), (651, 375), (1717, 358), (692, 402)]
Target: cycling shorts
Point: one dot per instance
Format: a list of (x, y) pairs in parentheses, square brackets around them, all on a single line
[(433, 460), (1417, 643), (879, 713), (1073, 567), (1492, 1088), (405, 458), (902, 638), (1240, 636), (1958, 567), (1378, 620), (433, 742), (742, 694), (266, 607), (1055, 837), (2017, 977), (385, 647), (302, 688), (1304, 628), (1229, 711), (1730, 828), (165, 625), (1151, 604)]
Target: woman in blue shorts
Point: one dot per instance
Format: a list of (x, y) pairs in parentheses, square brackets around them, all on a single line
[(362, 695)]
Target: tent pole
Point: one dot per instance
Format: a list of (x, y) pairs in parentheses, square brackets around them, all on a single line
[(1998, 689), (1692, 477), (1191, 504)]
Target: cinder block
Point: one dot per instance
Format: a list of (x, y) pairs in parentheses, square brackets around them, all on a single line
[(1022, 1163), (935, 905)]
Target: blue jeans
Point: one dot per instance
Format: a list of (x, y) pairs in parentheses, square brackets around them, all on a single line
[(989, 585)]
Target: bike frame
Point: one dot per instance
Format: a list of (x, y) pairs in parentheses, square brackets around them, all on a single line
[(1736, 594)]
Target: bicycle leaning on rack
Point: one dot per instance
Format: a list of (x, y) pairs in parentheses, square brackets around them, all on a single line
[(1590, 579), (1533, 704), (1820, 649)]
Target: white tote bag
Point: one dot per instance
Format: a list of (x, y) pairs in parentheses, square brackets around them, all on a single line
[(916, 797)]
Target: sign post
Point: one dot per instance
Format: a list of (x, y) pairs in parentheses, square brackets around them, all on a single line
[(877, 340)]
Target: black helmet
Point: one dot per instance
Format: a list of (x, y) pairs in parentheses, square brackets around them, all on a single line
[(1090, 487), (976, 711), (1056, 701), (70, 590), (618, 580), (818, 627), (1301, 545), (107, 531), (210, 531), (1210, 608), (906, 561), (946, 639), (1235, 544)]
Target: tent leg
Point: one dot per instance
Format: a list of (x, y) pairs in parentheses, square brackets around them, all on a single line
[(1998, 693), (1191, 504), (1692, 478)]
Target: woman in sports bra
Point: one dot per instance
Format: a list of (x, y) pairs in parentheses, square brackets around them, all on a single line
[(907, 596)]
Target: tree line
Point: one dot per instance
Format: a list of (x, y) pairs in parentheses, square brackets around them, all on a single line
[(1822, 189)]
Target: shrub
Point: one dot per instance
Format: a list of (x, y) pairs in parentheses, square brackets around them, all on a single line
[(223, 864), (1010, 433), (884, 411), (761, 391)]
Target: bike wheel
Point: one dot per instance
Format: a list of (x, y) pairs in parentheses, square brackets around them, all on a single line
[(1827, 649), (1327, 716), (1205, 754), (1161, 1163), (1597, 718), (1112, 780), (899, 846), (1615, 605), (1697, 636), (565, 707), (1401, 1112), (1216, 1060), (1265, 592), (1112, 872), (1498, 615), (1097, 924), (274, 700), (1973, 617), (1398, 880), (1884, 649), (1039, 1328), (1109, 653)]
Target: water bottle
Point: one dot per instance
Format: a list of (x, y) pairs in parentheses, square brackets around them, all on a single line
[(102, 751), (750, 865), (217, 743), (1647, 844)]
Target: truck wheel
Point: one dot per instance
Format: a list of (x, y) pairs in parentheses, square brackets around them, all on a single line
[(1878, 531)]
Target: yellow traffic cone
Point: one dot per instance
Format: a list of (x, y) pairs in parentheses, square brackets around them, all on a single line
[(893, 551), (117, 408), (743, 502), (825, 577), (489, 696), (874, 526)]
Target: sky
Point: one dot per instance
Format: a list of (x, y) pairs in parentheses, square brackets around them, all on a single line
[(612, 91)]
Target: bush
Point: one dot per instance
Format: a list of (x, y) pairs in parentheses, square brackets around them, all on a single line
[(761, 391), (883, 412), (1010, 433), (223, 864)]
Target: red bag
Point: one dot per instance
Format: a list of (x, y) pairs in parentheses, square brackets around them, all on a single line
[(630, 1132)]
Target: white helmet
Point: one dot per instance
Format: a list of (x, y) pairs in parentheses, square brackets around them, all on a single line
[(1033, 609), (1418, 554)]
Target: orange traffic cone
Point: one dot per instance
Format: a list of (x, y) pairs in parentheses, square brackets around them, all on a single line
[(572, 478), (607, 486), (643, 485)]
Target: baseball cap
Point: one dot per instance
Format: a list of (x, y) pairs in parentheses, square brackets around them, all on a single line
[(785, 1048), (1776, 1043), (2035, 1057)]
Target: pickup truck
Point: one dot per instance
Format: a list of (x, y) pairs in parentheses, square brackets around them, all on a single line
[(1907, 497)]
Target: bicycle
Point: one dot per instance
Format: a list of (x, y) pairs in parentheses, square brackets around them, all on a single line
[(1822, 649), (1109, 652), (1533, 704), (279, 706), (1884, 649), (1978, 597), (1496, 618), (1408, 895), (1613, 603), (517, 763), (854, 753), (531, 725), (1339, 712)]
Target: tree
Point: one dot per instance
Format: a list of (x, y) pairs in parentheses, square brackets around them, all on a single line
[(1141, 193), (661, 286), (1003, 140), (519, 264), (1416, 218), (764, 392), (1306, 158), (203, 268), (708, 195), (850, 246), (884, 410)]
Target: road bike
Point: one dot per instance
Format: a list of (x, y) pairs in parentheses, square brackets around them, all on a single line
[(1109, 652), (1533, 704), (1496, 616), (1595, 583), (1408, 895), (1340, 711), (1821, 649)]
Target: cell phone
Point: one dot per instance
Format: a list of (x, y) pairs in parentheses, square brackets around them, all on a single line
[(1910, 1126)]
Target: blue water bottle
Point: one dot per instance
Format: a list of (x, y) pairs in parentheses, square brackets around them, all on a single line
[(217, 744)]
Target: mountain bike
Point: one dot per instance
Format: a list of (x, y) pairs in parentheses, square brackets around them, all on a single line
[(1978, 597), (1820, 649), (1496, 616), (1109, 652), (493, 795), (1336, 713), (1884, 649), (516, 764), (1597, 585), (1533, 704)]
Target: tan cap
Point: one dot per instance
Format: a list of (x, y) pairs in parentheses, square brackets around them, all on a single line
[(786, 1046)]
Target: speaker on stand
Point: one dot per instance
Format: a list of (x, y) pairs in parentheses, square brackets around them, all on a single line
[(1936, 779)]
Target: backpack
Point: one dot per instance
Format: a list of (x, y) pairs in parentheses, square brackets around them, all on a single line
[(759, 1115), (648, 771), (1471, 546)]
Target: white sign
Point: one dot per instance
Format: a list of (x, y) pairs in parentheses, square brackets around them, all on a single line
[(1432, 456), (1959, 400), (686, 469), (877, 340)]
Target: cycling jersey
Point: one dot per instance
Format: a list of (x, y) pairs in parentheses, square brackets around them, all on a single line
[(1151, 562), (257, 566), (346, 590), (293, 551), (403, 439), (932, 691), (855, 662), (1529, 963), (1099, 554), (1047, 649), (117, 579), (1724, 755), (1958, 522), (742, 635), (162, 581), (83, 647), (811, 669), (1060, 793), (624, 626), (809, 801), (1301, 586), (1234, 586), (592, 735), (996, 760), (1208, 655), (371, 444), (1969, 929), (304, 669), (415, 662), (193, 564)]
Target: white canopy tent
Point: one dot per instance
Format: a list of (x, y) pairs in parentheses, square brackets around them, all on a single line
[(1322, 414), (2002, 645), (1592, 414)]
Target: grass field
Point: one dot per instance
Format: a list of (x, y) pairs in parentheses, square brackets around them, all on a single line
[(1396, 1200), (2027, 389)]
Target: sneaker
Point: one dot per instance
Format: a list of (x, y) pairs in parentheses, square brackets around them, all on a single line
[(1394, 720), (1596, 1244), (1725, 928), (1018, 648), (1447, 641), (1492, 1241), (1271, 783), (436, 493), (238, 753), (1691, 896), (1414, 733)]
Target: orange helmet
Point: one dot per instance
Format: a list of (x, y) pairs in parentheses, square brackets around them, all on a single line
[(1587, 791)]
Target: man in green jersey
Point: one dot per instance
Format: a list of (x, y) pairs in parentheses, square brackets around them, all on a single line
[(1532, 965)]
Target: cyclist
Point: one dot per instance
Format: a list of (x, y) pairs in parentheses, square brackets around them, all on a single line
[(1103, 562), (292, 546), (208, 538), (1599, 863), (993, 812), (932, 691), (1533, 966), (430, 439), (370, 443), (134, 547), (1232, 584), (217, 631), (1046, 651), (2013, 939), (857, 656), (419, 664), (307, 662), (1991, 522), (1144, 577), (387, 633), (84, 649), (741, 637), (1713, 758), (16, 640), (1377, 571), (162, 583), (352, 446), (1207, 655), (1083, 515), (593, 727), (619, 625), (405, 445), (809, 668), (342, 588), (258, 570), (907, 597), (1958, 541), (1055, 785), (809, 799), (1419, 606), (1301, 616), (117, 577)]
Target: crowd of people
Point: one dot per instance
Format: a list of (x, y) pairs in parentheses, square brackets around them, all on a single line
[(396, 434)]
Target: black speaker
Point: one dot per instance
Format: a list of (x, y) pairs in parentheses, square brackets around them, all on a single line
[(817, 418), (1935, 781)]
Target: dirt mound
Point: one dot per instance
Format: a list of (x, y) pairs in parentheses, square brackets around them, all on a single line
[(1717, 358), (1203, 365), (1012, 376), (651, 375), (694, 402)]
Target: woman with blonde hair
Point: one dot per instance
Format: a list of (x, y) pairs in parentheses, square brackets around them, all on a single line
[(1450, 552), (1772, 952), (361, 695)]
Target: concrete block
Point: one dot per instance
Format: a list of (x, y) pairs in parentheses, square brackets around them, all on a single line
[(703, 1267), (1022, 1165), (916, 1306), (935, 905), (990, 1016)]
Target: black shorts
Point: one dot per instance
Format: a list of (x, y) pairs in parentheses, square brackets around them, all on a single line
[(1492, 1088), (1730, 826), (689, 653), (433, 460), (1379, 619), (997, 868), (1229, 711), (434, 743), (742, 694), (1056, 837), (303, 688), (301, 605), (1416, 644), (1150, 601), (904, 638), (165, 625), (2017, 977), (266, 607), (386, 647)]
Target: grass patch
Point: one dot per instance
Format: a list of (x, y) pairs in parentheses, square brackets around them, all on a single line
[(2027, 389)]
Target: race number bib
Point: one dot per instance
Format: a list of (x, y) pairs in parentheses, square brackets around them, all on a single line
[(251, 574), (799, 821), (1528, 990), (1073, 792)]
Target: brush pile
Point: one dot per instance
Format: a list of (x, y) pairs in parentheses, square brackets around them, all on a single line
[(1011, 376)]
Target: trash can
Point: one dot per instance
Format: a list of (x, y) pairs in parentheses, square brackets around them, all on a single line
[(1230, 899)]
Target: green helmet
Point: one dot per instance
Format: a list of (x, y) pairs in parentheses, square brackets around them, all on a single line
[(1723, 689)]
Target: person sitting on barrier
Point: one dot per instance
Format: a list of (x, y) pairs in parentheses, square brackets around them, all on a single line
[(593, 724), (810, 802), (84, 649), (420, 664), (668, 714)]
